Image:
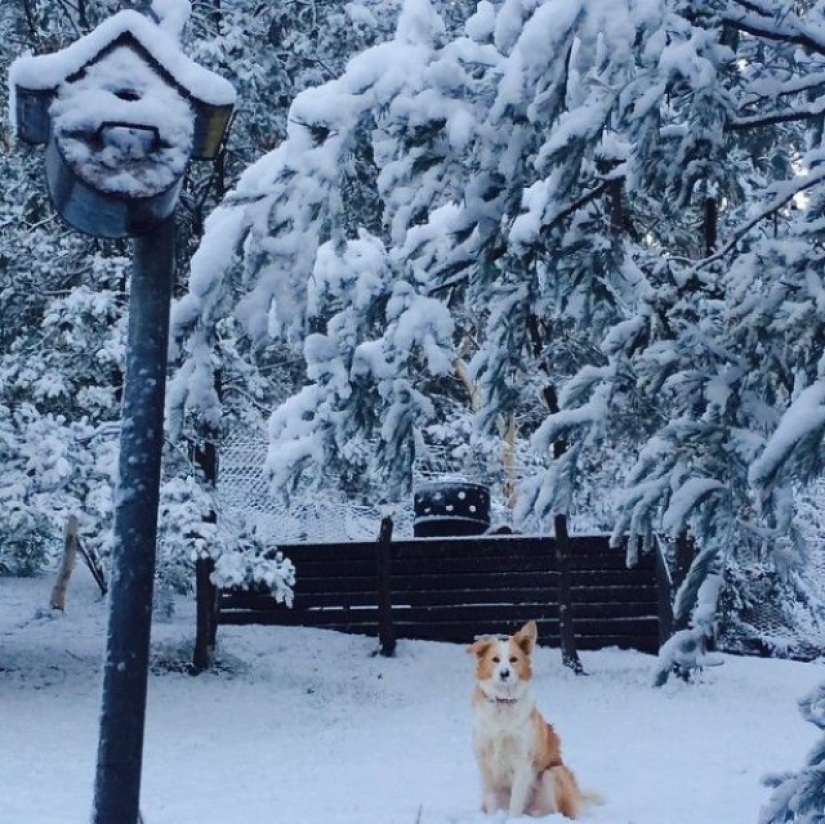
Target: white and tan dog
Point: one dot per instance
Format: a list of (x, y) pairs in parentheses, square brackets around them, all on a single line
[(518, 752)]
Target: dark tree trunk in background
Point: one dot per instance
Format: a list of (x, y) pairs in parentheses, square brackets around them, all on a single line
[(567, 634), (567, 630), (711, 224), (205, 457), (684, 556)]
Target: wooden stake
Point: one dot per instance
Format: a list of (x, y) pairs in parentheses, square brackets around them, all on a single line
[(64, 573)]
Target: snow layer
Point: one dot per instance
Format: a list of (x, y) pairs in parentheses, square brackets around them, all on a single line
[(139, 147), (306, 727), (48, 71)]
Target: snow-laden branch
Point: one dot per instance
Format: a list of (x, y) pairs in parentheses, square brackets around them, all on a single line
[(785, 194), (758, 121), (760, 19), (803, 418), (689, 495)]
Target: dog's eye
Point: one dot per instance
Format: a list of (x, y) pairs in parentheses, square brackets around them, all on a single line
[(513, 659), (496, 659)]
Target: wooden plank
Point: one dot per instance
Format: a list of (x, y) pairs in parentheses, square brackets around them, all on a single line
[(335, 583), (457, 594), (623, 597), (480, 613), (446, 565), (367, 624), (340, 577), (475, 595), (426, 549), (320, 553), (602, 610), (431, 582), (454, 586), (596, 548), (641, 635), (606, 577), (418, 548), (620, 593), (514, 546), (464, 634), (335, 568), (607, 600)]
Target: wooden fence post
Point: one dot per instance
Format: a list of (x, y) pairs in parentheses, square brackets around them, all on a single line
[(567, 631), (383, 550), (206, 621)]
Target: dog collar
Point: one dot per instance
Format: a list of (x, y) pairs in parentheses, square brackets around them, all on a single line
[(493, 700)]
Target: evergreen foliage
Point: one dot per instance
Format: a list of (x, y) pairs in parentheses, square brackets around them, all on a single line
[(615, 204), (799, 798)]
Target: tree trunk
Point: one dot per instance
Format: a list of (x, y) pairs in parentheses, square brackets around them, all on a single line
[(567, 631), (508, 460), (64, 573), (710, 225), (205, 457), (685, 553)]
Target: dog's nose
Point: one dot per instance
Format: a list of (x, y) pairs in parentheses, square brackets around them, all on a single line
[(504, 673)]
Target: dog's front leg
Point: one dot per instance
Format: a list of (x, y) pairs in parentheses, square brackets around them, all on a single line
[(492, 798), (522, 785)]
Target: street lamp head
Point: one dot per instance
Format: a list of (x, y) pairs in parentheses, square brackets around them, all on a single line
[(122, 110)]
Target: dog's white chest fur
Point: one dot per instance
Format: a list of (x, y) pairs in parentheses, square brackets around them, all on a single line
[(503, 736)]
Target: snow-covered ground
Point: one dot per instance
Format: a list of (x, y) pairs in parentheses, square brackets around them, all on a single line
[(307, 727)]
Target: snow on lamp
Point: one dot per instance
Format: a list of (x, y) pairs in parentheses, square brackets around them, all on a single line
[(122, 111)]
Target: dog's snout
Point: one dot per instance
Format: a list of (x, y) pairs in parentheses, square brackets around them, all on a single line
[(504, 673)]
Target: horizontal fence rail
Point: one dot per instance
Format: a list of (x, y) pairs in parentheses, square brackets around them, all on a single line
[(453, 589)]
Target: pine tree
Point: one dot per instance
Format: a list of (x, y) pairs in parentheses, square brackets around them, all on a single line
[(799, 798)]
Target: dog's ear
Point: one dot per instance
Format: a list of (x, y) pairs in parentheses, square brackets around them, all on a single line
[(527, 636), (480, 647)]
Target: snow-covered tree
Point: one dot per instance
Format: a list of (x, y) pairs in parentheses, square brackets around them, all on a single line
[(799, 798), (617, 205), (714, 157), (308, 216)]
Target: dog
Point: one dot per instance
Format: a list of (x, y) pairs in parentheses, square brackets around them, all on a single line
[(518, 752)]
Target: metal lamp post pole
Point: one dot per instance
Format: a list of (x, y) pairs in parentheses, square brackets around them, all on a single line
[(125, 676)]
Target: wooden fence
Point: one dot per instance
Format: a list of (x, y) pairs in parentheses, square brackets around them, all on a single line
[(452, 589)]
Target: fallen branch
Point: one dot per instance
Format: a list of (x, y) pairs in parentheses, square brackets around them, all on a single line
[(93, 563)]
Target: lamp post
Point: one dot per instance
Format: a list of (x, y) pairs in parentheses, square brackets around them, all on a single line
[(122, 111)]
